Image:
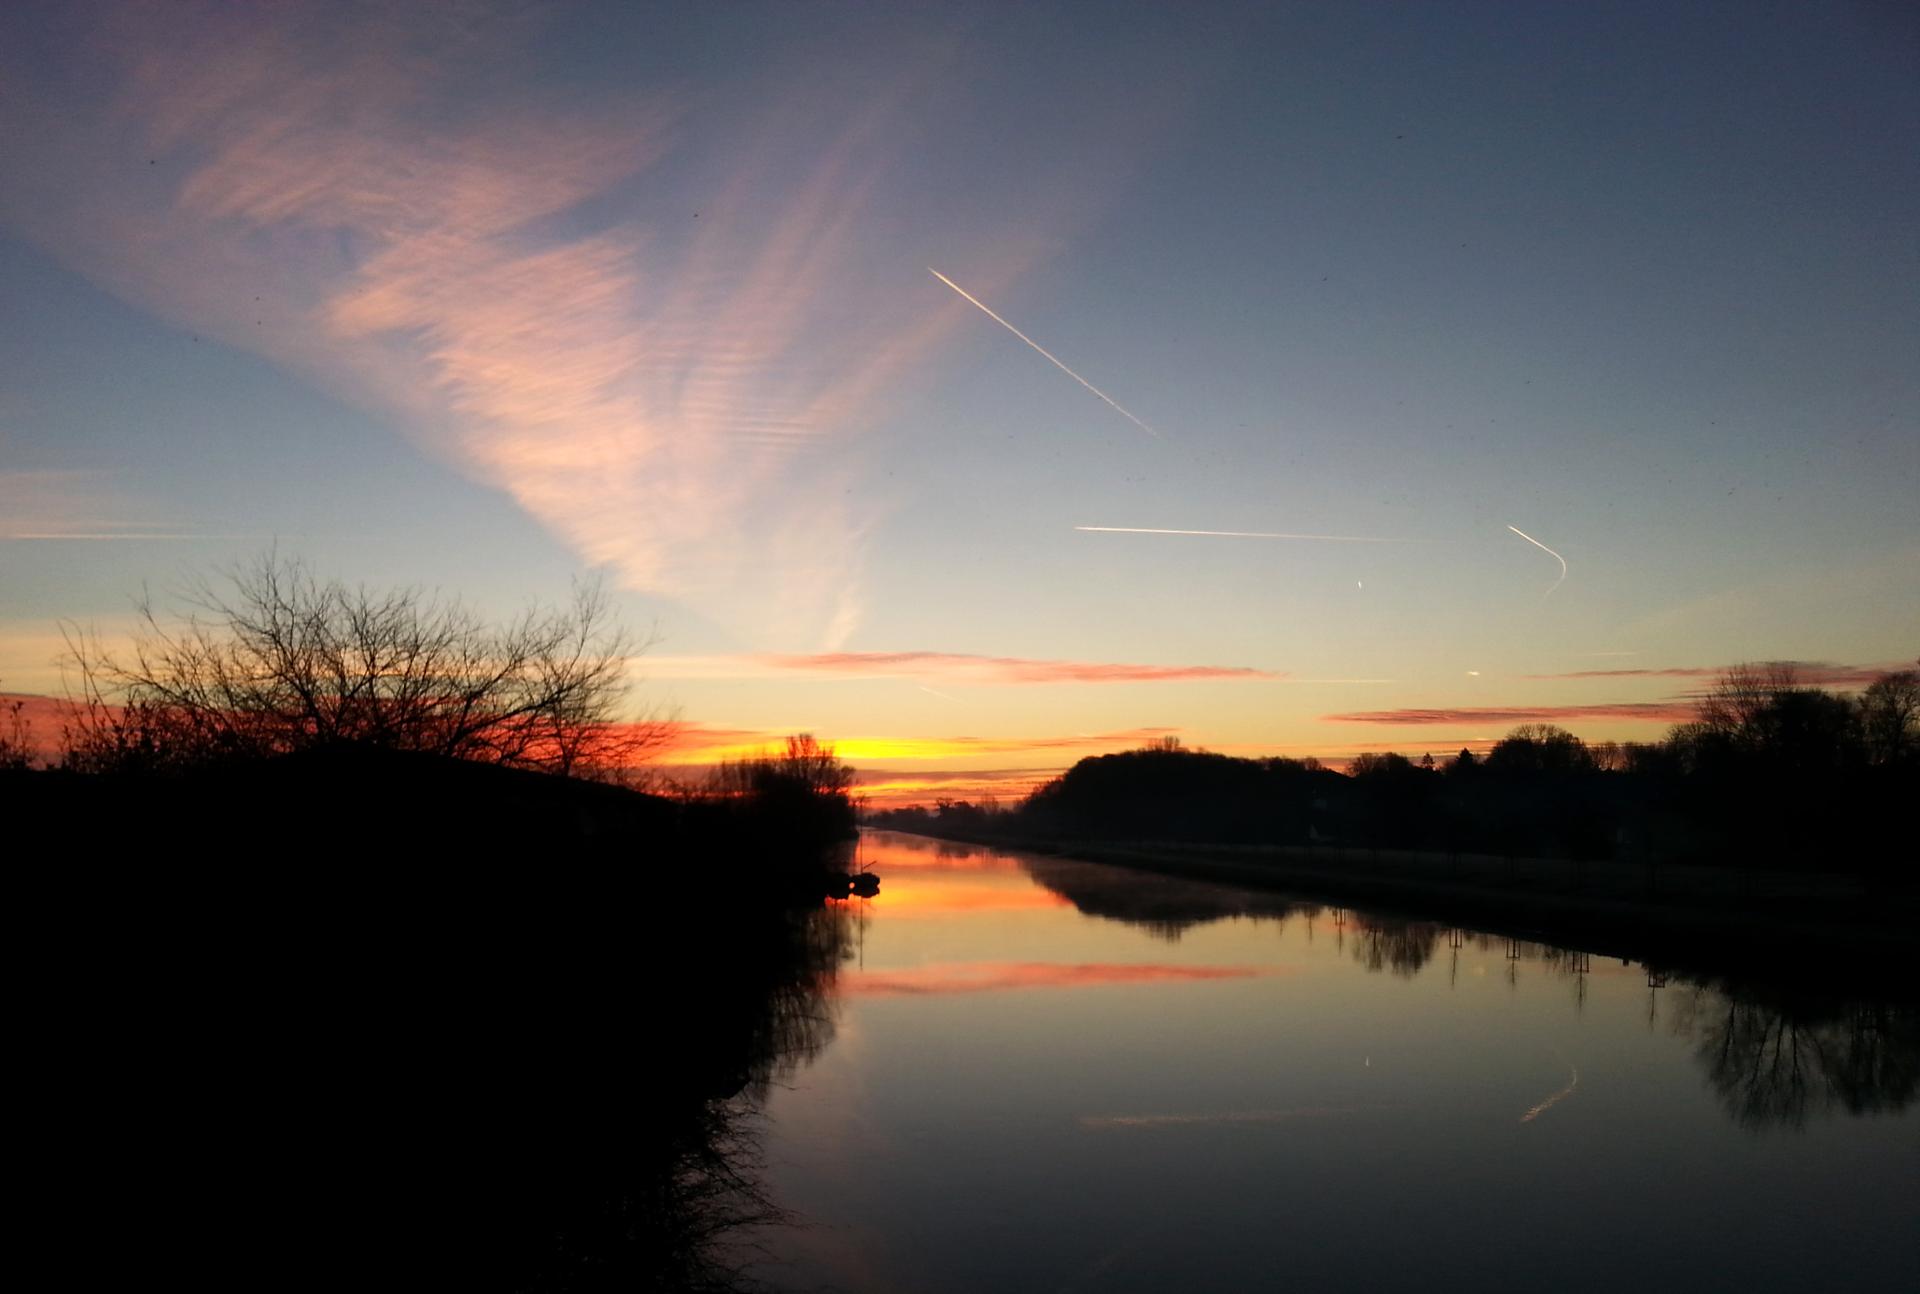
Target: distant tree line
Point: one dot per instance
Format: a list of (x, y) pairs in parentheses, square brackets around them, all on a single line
[(805, 789), (1771, 772)]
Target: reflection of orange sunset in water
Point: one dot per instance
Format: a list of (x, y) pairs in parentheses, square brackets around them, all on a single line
[(1007, 976), (921, 878), (1165, 1071), (890, 851), (910, 896)]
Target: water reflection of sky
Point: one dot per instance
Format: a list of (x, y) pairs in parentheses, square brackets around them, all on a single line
[(1023, 1095)]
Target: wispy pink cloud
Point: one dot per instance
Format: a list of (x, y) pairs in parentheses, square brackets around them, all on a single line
[(1674, 711), (44, 505), (685, 738), (109, 536), (1699, 672), (1005, 976), (677, 394), (1015, 745), (962, 668), (1812, 673), (934, 777), (884, 788)]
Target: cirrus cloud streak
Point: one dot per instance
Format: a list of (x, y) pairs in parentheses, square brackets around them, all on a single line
[(371, 200), (701, 744), (1810, 673), (1674, 711), (962, 668)]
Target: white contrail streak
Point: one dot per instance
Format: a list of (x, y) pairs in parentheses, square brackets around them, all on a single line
[(1115, 404), (1543, 548), (1248, 534)]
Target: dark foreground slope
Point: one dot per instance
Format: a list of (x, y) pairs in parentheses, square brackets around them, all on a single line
[(346, 803), (400, 1023)]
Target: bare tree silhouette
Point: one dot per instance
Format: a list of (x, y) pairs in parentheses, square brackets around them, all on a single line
[(273, 659), (1890, 717)]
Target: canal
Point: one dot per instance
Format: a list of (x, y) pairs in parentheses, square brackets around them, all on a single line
[(1039, 1074)]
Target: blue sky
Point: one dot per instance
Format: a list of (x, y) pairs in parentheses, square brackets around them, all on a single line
[(493, 296)]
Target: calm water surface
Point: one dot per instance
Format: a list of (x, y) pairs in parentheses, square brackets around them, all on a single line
[(1047, 1075)]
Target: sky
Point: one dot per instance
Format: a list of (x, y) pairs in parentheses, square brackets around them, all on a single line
[(869, 352)]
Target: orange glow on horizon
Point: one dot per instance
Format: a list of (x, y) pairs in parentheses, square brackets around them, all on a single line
[(1004, 976), (919, 897), (689, 750)]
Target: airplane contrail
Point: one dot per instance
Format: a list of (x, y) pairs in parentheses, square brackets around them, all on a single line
[(1115, 404), (1543, 548), (1249, 534)]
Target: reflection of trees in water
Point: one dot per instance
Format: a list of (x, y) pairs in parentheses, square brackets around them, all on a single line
[(680, 1221), (746, 1004), (1778, 1061), (938, 846), (715, 1195), (1168, 906), (1385, 943), (1773, 1059), (795, 1021)]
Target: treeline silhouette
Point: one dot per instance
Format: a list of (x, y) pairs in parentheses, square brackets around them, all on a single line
[(1772, 773), (291, 716), (270, 659), (772, 823)]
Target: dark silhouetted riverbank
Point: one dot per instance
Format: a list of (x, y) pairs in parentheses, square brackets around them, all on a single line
[(409, 1020)]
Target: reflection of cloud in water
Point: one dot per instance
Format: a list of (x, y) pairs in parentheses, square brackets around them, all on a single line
[(1001, 976), (1110, 1121), (888, 849)]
